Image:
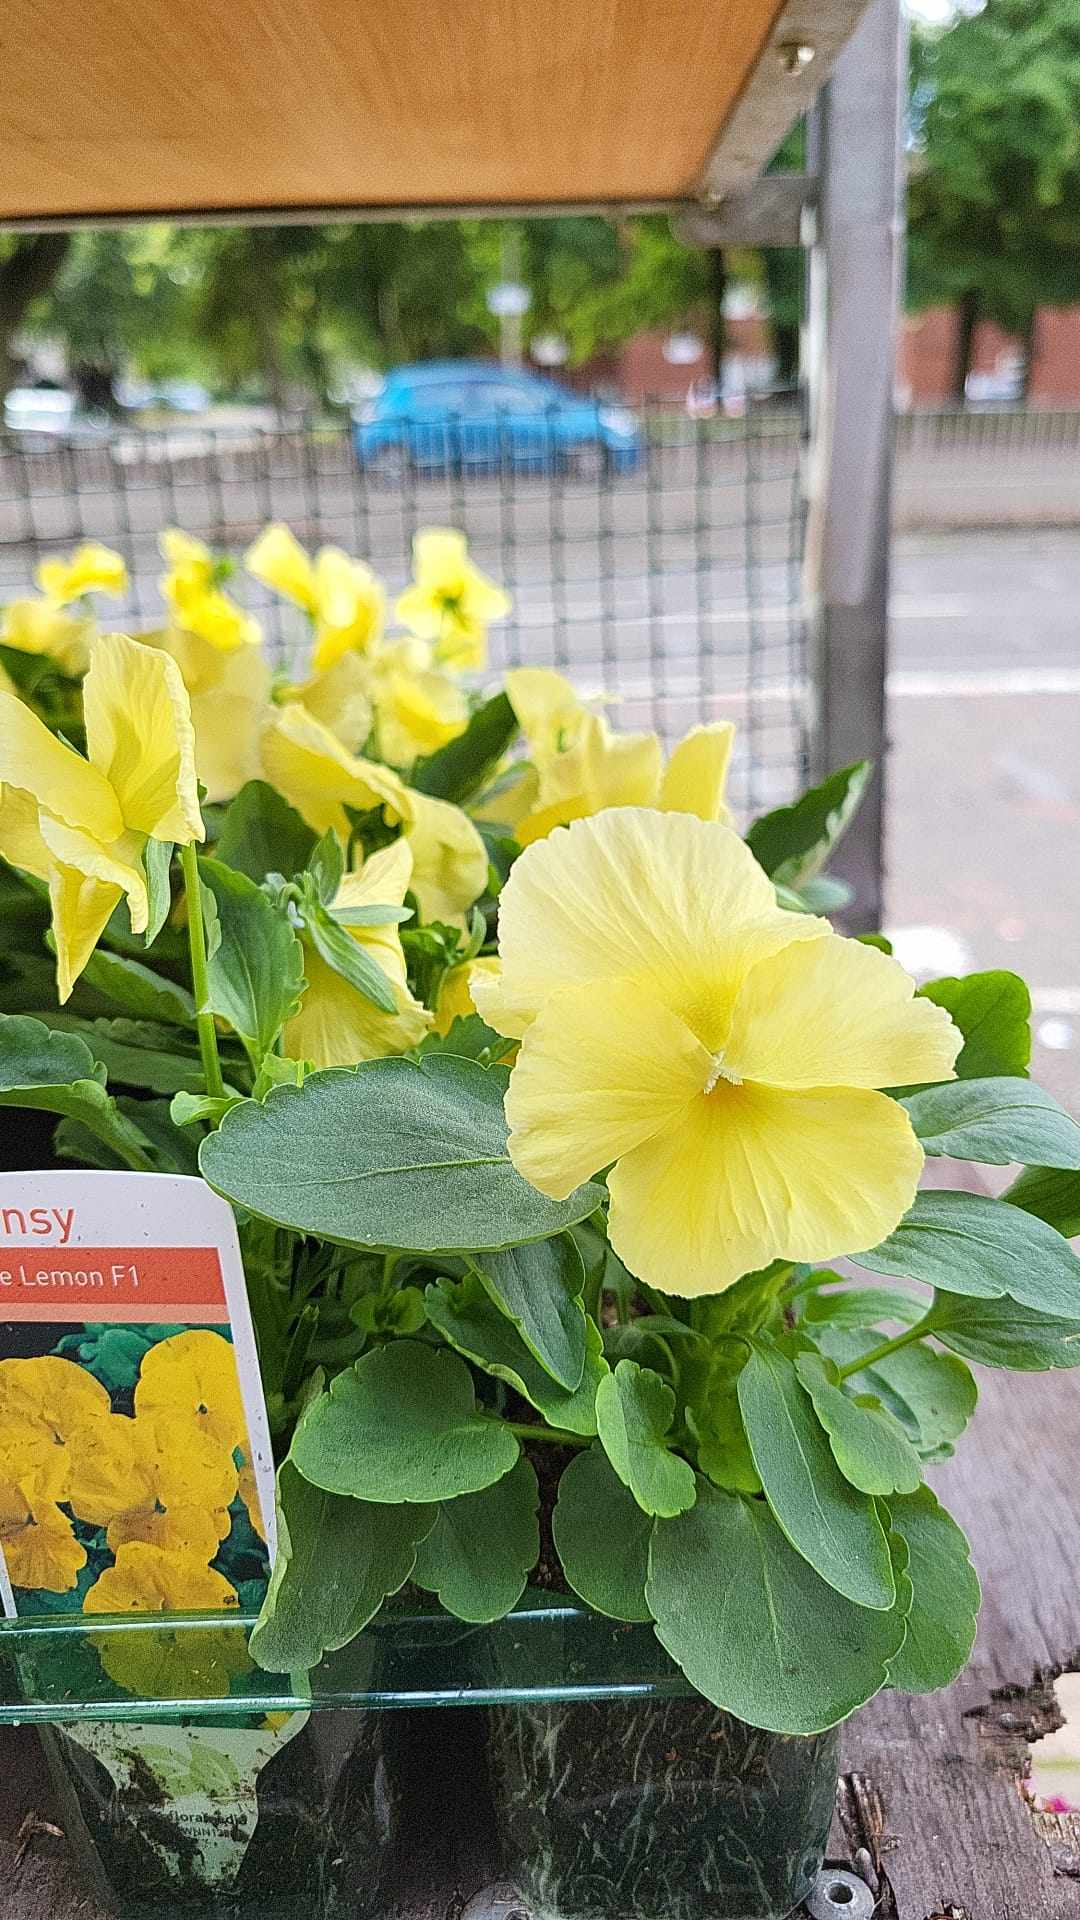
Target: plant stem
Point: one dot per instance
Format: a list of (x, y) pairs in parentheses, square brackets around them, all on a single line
[(886, 1347), (554, 1436), (200, 982)]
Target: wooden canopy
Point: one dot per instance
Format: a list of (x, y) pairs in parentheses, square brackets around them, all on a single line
[(126, 108)]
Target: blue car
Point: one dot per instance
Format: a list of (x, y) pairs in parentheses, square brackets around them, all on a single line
[(465, 416)]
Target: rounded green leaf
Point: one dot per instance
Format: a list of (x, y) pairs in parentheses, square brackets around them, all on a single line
[(337, 1561), (996, 1122), (482, 1547), (402, 1424), (539, 1288), (945, 1604), (634, 1411), (754, 1628), (602, 1537), (1050, 1194), (868, 1443), (993, 1012), (388, 1154), (968, 1243), (933, 1395), (1000, 1333), (826, 1519)]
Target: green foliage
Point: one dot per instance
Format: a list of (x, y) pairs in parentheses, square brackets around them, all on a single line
[(56, 1072), (459, 770), (996, 1122), (754, 1628), (256, 970), (793, 843), (999, 1333), (140, 991), (602, 1537), (869, 1445), (931, 1394), (538, 1287), (993, 1012), (967, 1243), (634, 1413), (337, 1561), (945, 1594), (402, 1425), (1050, 1195), (482, 1547), (388, 1154), (466, 1316), (833, 1526), (262, 834), (344, 955)]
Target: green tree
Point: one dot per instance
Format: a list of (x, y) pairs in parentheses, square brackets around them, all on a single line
[(994, 195), (28, 265)]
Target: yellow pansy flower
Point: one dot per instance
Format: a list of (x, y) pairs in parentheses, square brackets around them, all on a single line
[(148, 1579), (196, 601), (343, 598), (417, 707), (721, 1056), (450, 601), (194, 1374), (156, 1478), (92, 568), (40, 627), (37, 1541), (455, 994), (320, 778), (51, 1410), (81, 825), (450, 862), (161, 1663), (339, 698), (336, 1026), (583, 766), (229, 693)]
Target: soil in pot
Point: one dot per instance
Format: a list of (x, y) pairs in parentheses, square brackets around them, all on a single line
[(634, 1809)]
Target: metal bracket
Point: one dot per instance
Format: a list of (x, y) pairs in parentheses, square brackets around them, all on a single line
[(767, 213)]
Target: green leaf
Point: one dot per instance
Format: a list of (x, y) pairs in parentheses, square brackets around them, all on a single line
[(459, 769), (262, 834), (933, 1395), (833, 1526), (470, 1038), (256, 975), (326, 865), (863, 1307), (793, 843), (1050, 1195), (347, 957), (968, 1243), (538, 1287), (138, 989), (402, 1424), (471, 1322), (602, 1537), (634, 1412), (868, 1443), (388, 1154), (337, 1561), (482, 1547), (946, 1596), (999, 1333), (993, 1012), (723, 1448), (57, 1073), (754, 1628), (995, 1122), (129, 1059), (157, 866), (188, 1109), (374, 916)]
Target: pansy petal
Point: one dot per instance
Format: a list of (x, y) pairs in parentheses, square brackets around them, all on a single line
[(695, 779), (81, 909), (139, 733), (20, 834), (339, 697), (316, 774), (548, 709), (337, 1026), (279, 561), (679, 900), (598, 1074), (65, 784), (450, 863), (837, 1013), (752, 1174), (601, 769)]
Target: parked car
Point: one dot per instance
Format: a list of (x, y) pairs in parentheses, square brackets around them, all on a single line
[(49, 416), (464, 416)]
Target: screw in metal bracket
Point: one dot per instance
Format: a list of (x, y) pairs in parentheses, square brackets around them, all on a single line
[(840, 1895)]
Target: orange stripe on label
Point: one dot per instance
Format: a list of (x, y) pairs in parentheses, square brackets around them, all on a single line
[(112, 1283)]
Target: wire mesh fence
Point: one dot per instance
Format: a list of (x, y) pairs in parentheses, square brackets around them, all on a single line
[(667, 579)]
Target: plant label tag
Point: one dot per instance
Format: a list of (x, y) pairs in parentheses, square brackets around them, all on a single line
[(135, 1464)]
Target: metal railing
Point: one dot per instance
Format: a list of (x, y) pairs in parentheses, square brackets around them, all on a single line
[(668, 579)]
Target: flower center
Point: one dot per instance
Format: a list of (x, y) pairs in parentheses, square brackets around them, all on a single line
[(719, 1072)]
